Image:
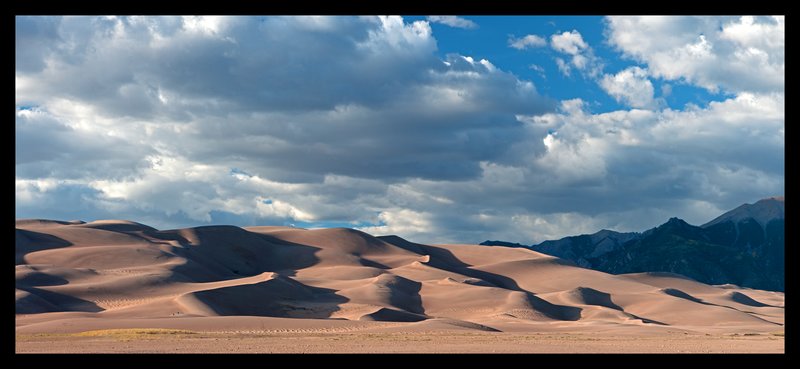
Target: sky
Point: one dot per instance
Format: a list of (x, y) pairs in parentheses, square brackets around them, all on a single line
[(439, 129)]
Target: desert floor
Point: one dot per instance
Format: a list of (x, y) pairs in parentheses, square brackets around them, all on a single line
[(149, 341), (282, 335)]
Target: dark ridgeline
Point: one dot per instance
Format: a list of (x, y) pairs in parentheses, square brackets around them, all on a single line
[(744, 246)]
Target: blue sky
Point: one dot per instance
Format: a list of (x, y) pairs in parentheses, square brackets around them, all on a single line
[(489, 40), (438, 129)]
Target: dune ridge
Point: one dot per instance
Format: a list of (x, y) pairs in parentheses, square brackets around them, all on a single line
[(102, 273)]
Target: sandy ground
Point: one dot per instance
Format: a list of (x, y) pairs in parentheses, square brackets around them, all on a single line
[(282, 289), (413, 342)]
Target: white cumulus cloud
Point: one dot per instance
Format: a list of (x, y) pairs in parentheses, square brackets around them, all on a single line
[(563, 67), (734, 54), (631, 87), (583, 58), (453, 21), (568, 42), (529, 41)]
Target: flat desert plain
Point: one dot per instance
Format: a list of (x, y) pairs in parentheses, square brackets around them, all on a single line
[(121, 286)]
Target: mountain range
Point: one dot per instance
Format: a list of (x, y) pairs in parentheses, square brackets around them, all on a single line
[(744, 247)]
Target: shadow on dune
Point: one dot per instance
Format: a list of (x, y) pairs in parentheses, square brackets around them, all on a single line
[(29, 241), (217, 253), (120, 227), (28, 303), (403, 244), (747, 300), (62, 302), (645, 320), (392, 315), (444, 259), (553, 311), (412, 302), (277, 297), (372, 264), (402, 292), (683, 295), (591, 296), (734, 296), (36, 278)]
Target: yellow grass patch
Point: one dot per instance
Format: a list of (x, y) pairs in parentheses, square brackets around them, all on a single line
[(133, 332)]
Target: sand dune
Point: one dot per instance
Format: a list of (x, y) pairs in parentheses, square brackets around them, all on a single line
[(117, 273)]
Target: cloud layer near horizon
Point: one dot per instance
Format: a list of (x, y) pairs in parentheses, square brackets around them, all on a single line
[(177, 121)]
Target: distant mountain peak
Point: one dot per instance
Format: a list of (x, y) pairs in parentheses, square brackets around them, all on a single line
[(502, 243), (672, 223), (762, 211), (737, 247), (676, 220)]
